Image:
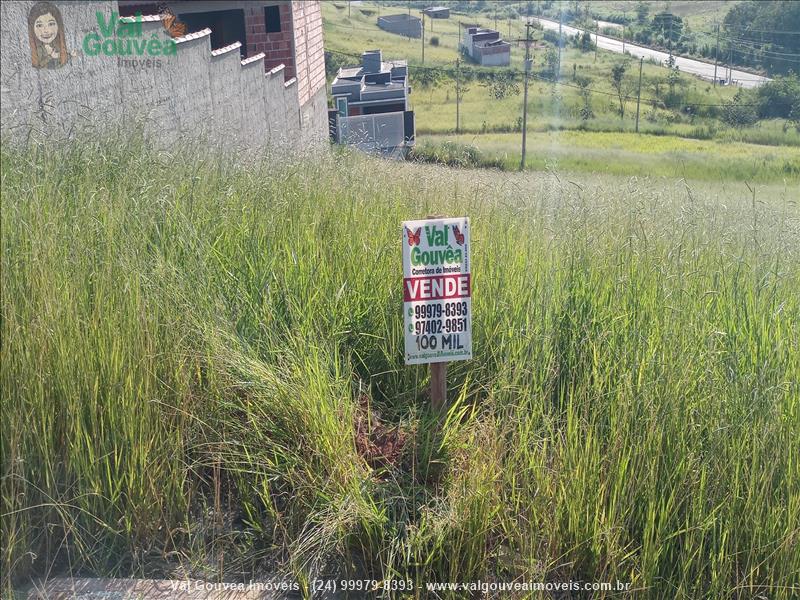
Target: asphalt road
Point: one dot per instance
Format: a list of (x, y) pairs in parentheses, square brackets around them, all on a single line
[(686, 65)]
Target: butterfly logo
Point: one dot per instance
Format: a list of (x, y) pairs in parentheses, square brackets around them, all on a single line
[(459, 235), (171, 23), (413, 236)]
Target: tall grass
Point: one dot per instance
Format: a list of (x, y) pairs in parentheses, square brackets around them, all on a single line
[(188, 345), (624, 154)]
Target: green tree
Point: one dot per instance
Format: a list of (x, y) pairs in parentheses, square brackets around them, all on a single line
[(669, 26), (551, 63), (620, 84), (501, 84), (642, 10), (777, 98), (426, 79), (675, 95), (767, 34), (739, 111), (585, 92)]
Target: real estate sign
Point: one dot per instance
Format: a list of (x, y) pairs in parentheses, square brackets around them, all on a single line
[(437, 290)]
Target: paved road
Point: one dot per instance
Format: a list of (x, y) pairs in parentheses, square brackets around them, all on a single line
[(686, 65)]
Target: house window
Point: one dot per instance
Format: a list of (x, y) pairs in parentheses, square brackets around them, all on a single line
[(341, 106), (227, 26), (272, 18)]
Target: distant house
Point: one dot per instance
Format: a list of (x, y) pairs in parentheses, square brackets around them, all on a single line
[(437, 12), (402, 24), (485, 46), (371, 106)]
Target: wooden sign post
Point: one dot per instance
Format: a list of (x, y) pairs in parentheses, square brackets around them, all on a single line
[(437, 297), (439, 385)]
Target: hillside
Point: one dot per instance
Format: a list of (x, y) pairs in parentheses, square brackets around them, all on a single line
[(672, 104)]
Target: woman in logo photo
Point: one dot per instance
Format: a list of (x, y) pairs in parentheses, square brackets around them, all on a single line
[(46, 35)]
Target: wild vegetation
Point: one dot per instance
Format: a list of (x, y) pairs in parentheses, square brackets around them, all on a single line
[(202, 375)]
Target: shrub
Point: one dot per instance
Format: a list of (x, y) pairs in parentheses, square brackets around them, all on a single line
[(434, 41), (739, 112), (779, 97)]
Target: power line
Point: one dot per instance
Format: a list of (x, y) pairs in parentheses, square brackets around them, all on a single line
[(774, 31), (756, 45)]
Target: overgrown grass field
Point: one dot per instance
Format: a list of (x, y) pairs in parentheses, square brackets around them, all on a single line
[(202, 375), (619, 154)]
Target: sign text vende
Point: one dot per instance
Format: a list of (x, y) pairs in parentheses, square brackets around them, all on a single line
[(436, 288)]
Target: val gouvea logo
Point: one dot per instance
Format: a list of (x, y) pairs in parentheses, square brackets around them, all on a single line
[(46, 35), (124, 39)]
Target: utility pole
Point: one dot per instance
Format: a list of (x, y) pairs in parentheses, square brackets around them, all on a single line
[(458, 93), (670, 38), (716, 53), (560, 20), (528, 26), (639, 93), (348, 9), (423, 38), (596, 39), (623, 38)]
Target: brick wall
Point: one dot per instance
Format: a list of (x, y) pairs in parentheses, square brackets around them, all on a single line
[(276, 46), (308, 46)]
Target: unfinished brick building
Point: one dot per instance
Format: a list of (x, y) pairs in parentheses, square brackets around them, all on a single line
[(287, 32)]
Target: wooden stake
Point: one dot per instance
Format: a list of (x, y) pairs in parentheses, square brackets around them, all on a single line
[(439, 385)]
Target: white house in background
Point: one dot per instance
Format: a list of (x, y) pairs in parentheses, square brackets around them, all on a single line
[(372, 110), (485, 46)]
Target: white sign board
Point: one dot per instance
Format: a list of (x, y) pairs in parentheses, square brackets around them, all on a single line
[(437, 290)]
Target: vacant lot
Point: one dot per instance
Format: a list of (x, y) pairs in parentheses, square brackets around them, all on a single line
[(202, 374)]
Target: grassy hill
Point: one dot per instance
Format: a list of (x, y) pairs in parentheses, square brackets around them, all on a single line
[(202, 376), (699, 14)]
